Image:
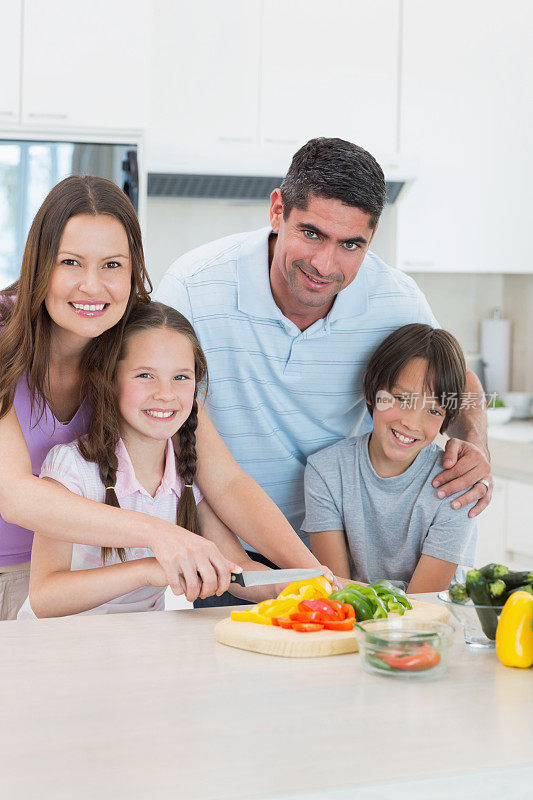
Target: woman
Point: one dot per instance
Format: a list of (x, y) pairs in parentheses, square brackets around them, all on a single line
[(82, 271)]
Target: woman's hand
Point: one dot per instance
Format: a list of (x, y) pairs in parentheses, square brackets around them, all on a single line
[(192, 565)]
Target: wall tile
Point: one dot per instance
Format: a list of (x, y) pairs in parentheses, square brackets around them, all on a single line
[(461, 301)]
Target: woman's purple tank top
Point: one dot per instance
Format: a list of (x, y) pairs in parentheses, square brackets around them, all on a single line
[(15, 542)]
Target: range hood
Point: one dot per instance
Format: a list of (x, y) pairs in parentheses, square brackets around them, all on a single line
[(242, 173)]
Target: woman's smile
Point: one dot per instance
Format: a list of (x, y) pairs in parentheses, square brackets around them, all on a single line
[(89, 308)]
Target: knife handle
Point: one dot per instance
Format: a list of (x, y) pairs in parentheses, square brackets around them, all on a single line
[(237, 577)]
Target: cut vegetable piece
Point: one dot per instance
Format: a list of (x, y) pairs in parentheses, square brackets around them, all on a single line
[(340, 625), (458, 593), (348, 610), (320, 587), (426, 657), (492, 572), (497, 589), (321, 606), (250, 616), (307, 627), (283, 623)]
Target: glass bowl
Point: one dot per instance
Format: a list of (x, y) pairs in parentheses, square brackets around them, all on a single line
[(403, 648), (478, 622)]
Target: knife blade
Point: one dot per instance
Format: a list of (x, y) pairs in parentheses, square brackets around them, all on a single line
[(264, 577)]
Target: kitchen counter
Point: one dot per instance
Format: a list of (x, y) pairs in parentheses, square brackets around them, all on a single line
[(150, 705), (516, 430), (511, 449)]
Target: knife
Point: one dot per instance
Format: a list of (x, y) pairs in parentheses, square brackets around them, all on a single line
[(263, 577)]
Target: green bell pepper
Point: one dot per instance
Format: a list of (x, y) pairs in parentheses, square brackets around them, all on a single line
[(362, 606)]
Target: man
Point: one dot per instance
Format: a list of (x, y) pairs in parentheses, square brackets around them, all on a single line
[(288, 317)]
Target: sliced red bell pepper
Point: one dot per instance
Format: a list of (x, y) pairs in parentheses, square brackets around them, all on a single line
[(339, 625), (426, 657), (349, 611), (307, 627), (337, 607), (320, 607), (282, 622), (305, 616)]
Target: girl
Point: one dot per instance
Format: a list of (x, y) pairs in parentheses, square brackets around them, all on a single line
[(127, 460), (82, 272), (369, 500)]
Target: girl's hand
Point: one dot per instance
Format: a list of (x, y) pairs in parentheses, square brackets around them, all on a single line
[(154, 574), (193, 565)]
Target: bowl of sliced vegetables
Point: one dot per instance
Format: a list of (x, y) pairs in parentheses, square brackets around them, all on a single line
[(477, 604), (404, 648)]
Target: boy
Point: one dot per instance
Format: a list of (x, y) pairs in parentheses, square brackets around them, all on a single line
[(370, 505)]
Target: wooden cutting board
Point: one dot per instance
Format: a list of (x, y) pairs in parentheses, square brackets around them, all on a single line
[(274, 641)]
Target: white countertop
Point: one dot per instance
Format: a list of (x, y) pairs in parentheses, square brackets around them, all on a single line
[(519, 430), (511, 449), (146, 705)]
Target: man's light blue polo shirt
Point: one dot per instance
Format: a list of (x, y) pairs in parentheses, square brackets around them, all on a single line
[(278, 394)]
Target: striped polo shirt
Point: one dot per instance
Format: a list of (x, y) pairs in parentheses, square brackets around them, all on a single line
[(276, 393)]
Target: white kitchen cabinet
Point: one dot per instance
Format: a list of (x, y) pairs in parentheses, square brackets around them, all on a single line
[(204, 75), (330, 70), (519, 514), (85, 65), (491, 527), (10, 49), (248, 81), (467, 115)]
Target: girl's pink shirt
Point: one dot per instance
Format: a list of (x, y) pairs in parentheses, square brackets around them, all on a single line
[(66, 465)]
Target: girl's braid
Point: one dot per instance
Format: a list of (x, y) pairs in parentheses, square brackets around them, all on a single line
[(187, 515), (108, 476)]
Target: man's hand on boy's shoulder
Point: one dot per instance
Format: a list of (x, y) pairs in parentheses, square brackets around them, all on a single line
[(467, 465)]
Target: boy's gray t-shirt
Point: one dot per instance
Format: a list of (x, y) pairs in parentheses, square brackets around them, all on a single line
[(389, 522)]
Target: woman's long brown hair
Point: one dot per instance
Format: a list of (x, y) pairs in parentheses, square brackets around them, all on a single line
[(104, 431), (26, 324)]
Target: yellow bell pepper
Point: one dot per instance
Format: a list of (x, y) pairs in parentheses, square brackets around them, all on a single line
[(279, 608), (251, 615), (514, 635), (321, 588), (286, 603)]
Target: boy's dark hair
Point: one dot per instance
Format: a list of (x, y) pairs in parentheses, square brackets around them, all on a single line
[(446, 370), (337, 170)]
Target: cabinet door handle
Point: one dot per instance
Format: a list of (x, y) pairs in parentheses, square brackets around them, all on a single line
[(47, 116), (7, 113)]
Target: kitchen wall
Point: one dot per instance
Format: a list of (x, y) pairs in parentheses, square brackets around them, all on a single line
[(518, 306), (461, 301), (174, 226)]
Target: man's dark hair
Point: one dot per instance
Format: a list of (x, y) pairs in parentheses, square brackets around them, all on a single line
[(446, 370), (337, 170)]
